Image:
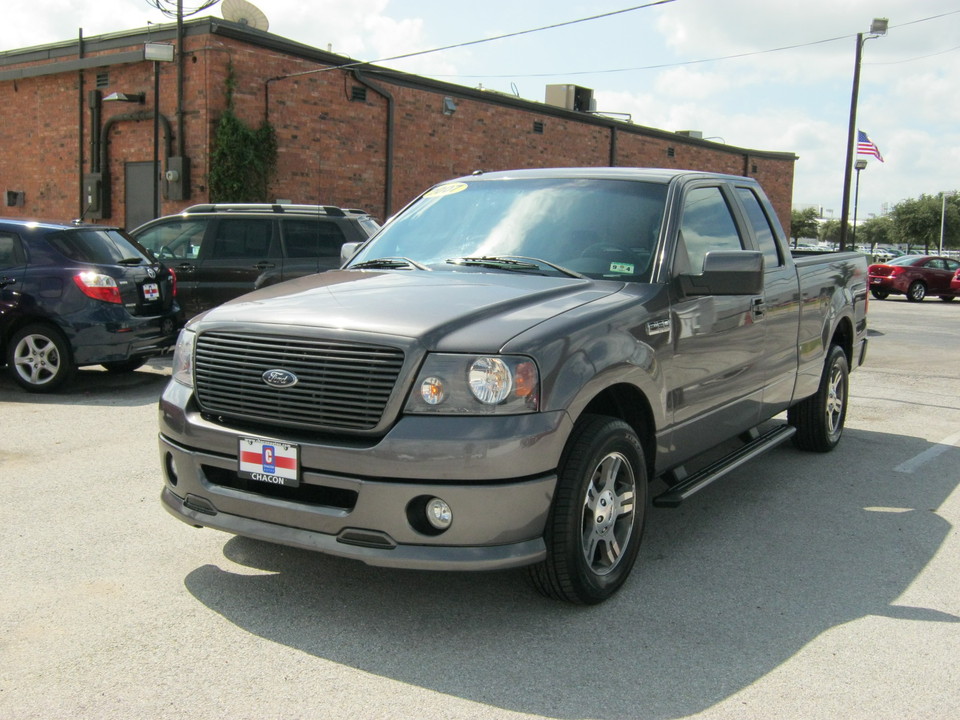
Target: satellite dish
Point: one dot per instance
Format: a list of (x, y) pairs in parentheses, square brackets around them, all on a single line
[(244, 13)]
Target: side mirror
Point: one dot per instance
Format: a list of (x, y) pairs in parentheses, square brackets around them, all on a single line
[(348, 250), (727, 273)]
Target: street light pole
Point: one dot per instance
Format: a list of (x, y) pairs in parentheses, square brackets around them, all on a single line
[(859, 165), (943, 214), (877, 27)]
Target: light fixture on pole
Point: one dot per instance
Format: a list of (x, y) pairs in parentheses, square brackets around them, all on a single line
[(861, 164), (877, 28), (943, 214)]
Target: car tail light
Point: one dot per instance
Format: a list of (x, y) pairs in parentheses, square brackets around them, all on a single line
[(98, 286), (173, 282)]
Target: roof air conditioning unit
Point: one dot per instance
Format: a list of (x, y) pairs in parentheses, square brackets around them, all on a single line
[(571, 97)]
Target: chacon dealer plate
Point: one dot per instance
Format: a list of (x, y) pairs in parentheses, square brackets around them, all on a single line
[(269, 461)]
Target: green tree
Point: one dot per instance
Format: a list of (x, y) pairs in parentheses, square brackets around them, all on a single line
[(917, 221), (243, 160), (803, 224), (876, 231), (830, 232)]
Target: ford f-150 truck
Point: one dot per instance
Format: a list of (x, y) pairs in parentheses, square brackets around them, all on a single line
[(496, 377)]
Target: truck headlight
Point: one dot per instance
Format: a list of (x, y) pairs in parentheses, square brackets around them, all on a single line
[(450, 384), (183, 358)]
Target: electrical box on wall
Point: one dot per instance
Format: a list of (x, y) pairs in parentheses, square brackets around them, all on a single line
[(92, 196), (176, 179), (14, 198)]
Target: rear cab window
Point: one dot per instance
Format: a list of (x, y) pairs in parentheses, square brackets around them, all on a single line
[(762, 228)]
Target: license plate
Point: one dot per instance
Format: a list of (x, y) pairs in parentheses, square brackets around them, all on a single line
[(151, 291), (874, 280), (269, 461)]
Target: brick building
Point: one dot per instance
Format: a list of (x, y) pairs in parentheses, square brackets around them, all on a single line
[(72, 142)]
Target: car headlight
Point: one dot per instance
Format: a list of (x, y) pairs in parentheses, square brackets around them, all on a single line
[(476, 385), (183, 358)]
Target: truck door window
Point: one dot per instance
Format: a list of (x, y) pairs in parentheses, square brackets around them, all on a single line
[(707, 225), (761, 228)]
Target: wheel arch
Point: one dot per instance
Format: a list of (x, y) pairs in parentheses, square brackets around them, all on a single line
[(18, 323), (628, 403), (843, 336)]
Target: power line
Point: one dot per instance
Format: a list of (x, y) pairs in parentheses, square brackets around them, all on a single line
[(507, 35), (664, 66)]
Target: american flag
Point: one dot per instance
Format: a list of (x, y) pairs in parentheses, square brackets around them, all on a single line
[(866, 146)]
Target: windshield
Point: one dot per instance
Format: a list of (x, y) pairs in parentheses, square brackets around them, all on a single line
[(597, 228), (100, 247)]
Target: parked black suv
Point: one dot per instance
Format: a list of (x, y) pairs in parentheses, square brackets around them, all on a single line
[(221, 251), (73, 295)]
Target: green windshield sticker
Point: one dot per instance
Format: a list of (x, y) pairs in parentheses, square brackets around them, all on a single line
[(626, 268), (448, 189)]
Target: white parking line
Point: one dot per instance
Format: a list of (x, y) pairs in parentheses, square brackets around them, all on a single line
[(927, 455)]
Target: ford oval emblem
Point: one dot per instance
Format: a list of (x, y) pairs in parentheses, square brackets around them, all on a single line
[(280, 378)]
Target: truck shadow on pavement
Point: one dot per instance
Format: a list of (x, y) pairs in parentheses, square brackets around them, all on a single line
[(728, 587)]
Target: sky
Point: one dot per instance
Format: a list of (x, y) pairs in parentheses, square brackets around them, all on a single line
[(771, 75)]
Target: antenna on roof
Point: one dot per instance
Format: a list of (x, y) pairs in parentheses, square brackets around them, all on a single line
[(244, 13)]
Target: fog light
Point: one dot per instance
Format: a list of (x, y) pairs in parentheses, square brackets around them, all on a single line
[(439, 514)]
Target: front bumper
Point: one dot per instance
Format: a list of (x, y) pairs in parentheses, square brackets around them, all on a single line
[(366, 501)]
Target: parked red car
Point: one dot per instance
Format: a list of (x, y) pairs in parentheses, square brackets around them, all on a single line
[(916, 276)]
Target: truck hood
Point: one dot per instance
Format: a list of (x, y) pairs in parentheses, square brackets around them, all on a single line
[(443, 310)]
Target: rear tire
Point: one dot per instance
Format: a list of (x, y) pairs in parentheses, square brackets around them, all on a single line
[(917, 291), (819, 419), (595, 526), (39, 359), (880, 294)]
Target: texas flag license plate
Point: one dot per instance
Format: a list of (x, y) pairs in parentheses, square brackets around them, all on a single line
[(269, 461)]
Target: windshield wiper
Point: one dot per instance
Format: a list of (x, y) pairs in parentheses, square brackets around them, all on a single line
[(517, 263), (388, 263)]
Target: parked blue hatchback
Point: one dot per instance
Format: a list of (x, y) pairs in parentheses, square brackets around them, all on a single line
[(75, 295)]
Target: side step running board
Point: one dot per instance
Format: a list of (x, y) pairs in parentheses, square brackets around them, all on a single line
[(687, 486)]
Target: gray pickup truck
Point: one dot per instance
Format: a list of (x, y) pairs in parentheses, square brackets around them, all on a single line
[(495, 379)]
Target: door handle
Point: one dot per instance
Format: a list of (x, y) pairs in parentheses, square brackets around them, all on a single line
[(263, 265), (757, 308)]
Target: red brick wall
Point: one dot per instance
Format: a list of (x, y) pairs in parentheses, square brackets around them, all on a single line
[(332, 149)]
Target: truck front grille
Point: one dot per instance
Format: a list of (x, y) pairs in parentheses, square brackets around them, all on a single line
[(340, 386)]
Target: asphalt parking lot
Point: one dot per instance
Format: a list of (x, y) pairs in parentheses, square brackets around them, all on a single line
[(800, 586)]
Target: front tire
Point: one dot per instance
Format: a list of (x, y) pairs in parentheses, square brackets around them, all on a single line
[(819, 418), (594, 530), (917, 291), (39, 358)]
